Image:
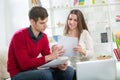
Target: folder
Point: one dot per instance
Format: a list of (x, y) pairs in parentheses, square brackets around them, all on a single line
[(116, 54)]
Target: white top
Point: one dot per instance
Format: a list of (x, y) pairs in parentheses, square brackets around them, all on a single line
[(86, 43)]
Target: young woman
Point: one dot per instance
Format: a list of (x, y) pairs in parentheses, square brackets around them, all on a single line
[(76, 27)]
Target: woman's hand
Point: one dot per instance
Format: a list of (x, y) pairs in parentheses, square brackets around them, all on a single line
[(62, 66), (79, 49)]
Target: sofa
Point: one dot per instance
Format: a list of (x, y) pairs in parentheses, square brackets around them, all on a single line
[(4, 74), (3, 59)]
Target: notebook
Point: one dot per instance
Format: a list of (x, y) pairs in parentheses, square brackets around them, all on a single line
[(96, 70)]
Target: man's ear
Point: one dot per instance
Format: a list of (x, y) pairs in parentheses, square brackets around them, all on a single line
[(32, 21)]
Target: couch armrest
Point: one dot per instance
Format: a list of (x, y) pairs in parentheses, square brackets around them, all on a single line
[(3, 64), (118, 70)]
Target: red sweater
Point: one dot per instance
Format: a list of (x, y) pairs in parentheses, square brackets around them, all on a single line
[(23, 52)]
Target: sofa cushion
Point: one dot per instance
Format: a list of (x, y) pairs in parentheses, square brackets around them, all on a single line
[(3, 64)]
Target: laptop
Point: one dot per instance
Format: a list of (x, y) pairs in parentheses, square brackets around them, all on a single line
[(96, 70)]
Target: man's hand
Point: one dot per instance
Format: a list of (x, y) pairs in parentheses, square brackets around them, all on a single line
[(62, 66), (56, 52)]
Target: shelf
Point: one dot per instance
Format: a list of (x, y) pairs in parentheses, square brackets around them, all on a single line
[(97, 16), (84, 6)]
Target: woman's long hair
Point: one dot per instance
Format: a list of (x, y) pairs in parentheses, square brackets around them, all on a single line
[(81, 24)]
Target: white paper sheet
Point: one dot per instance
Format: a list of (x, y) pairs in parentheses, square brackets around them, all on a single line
[(54, 63), (68, 43)]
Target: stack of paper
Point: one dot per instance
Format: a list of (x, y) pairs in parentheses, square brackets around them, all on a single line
[(55, 62)]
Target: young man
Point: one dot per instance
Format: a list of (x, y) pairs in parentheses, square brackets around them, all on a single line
[(26, 46)]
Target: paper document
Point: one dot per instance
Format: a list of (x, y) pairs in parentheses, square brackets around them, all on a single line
[(68, 43), (55, 62)]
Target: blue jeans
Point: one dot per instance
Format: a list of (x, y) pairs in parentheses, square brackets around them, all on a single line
[(45, 74)]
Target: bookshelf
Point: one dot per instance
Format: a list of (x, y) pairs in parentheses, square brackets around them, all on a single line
[(100, 16)]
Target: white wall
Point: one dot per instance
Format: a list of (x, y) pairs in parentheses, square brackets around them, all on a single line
[(13, 15), (2, 25)]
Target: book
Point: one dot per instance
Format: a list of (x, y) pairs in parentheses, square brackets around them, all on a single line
[(116, 54), (54, 63), (35, 2), (104, 37)]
